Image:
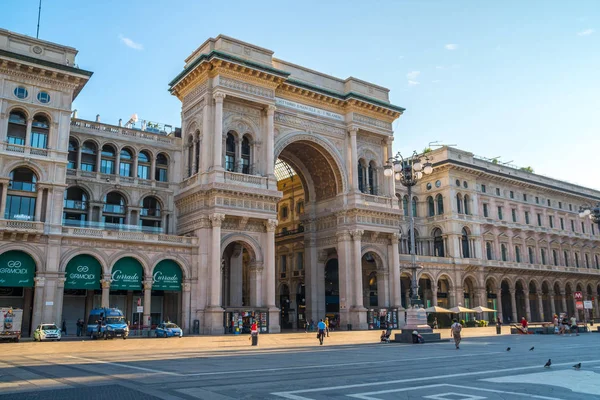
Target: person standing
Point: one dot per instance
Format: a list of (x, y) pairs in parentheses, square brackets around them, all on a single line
[(321, 331), (524, 325), (254, 333), (64, 327), (455, 330), (79, 326), (327, 326), (435, 323), (574, 327)]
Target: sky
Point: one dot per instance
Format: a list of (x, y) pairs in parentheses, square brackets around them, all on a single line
[(514, 79)]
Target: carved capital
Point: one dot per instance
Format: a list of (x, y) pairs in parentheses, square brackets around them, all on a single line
[(217, 220), (219, 97), (271, 224), (186, 286), (147, 285), (105, 283), (343, 236), (357, 234), (60, 282), (40, 281), (353, 130), (395, 238), (271, 110), (389, 140), (322, 256)]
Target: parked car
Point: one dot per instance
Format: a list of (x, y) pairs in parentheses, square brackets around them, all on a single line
[(168, 329), (47, 332)]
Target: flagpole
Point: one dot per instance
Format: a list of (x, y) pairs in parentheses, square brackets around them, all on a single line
[(37, 35)]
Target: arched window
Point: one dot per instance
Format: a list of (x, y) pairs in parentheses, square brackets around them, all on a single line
[(190, 158), (465, 244), (566, 255), (459, 204), (440, 204), (488, 250), (150, 216), (108, 159), (430, 207), (531, 260), (197, 151), (362, 172), (230, 152), (372, 178), (300, 207), (466, 201), (162, 168), (21, 195), (114, 209), (503, 252), (284, 212), (517, 254), (144, 165), (88, 156), (414, 206), (126, 159), (75, 206), (405, 205), (17, 128), (245, 155), (73, 153), (554, 257), (40, 128), (438, 243)]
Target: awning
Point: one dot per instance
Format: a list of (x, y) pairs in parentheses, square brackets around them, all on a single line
[(437, 309), (166, 276), (17, 269), (83, 272), (460, 309), (127, 274), (481, 309)]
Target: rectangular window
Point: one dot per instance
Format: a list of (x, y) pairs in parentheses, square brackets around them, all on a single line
[(283, 263), (570, 207), (485, 210), (531, 260), (161, 175), (551, 221), (539, 219), (512, 194), (16, 140), (107, 167), (125, 169), (497, 191), (527, 217), (549, 203), (524, 197), (543, 254), (560, 205), (482, 188), (572, 225), (593, 230), (20, 208), (582, 227), (500, 212), (143, 172), (537, 200), (39, 140), (514, 215), (562, 224), (87, 167), (299, 261)]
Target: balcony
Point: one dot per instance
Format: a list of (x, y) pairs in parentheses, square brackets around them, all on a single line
[(381, 201), (253, 180), (25, 150), (105, 226), (285, 233), (114, 209), (151, 134), (75, 205), (150, 212), (127, 235), (21, 226)]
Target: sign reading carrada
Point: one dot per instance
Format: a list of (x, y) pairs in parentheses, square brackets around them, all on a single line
[(118, 275), (160, 277)]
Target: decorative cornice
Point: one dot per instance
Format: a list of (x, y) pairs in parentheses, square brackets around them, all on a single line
[(246, 88), (307, 125)]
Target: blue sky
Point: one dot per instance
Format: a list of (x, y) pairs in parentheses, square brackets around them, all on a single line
[(515, 79)]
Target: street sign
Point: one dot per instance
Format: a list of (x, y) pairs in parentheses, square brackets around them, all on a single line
[(578, 296), (140, 309), (579, 305), (587, 305), (139, 301)]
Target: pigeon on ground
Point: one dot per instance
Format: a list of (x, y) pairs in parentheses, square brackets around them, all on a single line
[(531, 349), (548, 364), (577, 366), (508, 349)]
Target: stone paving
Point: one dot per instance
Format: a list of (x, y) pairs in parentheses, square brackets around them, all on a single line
[(351, 365)]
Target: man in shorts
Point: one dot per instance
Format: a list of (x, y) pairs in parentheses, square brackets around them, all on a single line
[(455, 330)]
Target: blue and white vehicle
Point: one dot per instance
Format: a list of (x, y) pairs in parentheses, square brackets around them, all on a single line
[(168, 329), (107, 323)]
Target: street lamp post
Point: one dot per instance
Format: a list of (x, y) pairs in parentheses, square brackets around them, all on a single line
[(408, 171)]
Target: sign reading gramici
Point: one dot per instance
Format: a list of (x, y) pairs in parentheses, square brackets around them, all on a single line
[(308, 109), (83, 272), (16, 269)]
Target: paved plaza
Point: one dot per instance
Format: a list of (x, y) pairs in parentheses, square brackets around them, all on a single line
[(294, 366)]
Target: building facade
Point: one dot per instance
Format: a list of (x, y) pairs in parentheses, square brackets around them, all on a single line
[(269, 204)]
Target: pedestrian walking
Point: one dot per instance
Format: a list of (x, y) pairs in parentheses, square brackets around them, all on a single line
[(64, 327), (524, 324), (327, 326), (254, 333), (79, 326), (435, 323), (321, 331), (455, 330), (574, 327), (555, 321)]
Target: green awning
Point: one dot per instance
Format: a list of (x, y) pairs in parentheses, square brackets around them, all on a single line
[(166, 276), (83, 272), (127, 274), (17, 269)]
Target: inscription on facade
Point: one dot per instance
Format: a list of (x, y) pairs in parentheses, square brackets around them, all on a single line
[(308, 109)]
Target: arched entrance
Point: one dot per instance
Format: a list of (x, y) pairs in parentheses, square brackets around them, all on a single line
[(492, 299), (507, 303), (521, 299), (82, 281), (17, 272), (332, 286), (127, 276), (166, 294)]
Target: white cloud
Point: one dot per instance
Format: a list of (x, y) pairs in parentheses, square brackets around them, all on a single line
[(587, 32), (130, 43), (412, 75), (412, 83), (451, 46)]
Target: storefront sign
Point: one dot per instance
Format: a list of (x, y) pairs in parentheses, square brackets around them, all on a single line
[(587, 305), (578, 296), (579, 305), (83, 272), (166, 276), (308, 109), (127, 275), (49, 303), (140, 309), (16, 269)]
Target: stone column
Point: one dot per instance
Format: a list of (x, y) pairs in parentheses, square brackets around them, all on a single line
[(58, 301), (563, 296), (354, 158), (596, 311), (391, 181), (38, 301), (147, 285), (357, 276), (322, 259), (78, 165), (344, 264), (541, 305), (3, 198), (254, 276), (270, 141), (513, 300), (105, 283), (98, 160), (28, 132), (310, 257), (186, 288), (118, 164), (38, 203), (152, 176), (193, 150), (383, 289), (527, 305), (451, 297), (218, 133), (269, 270), (215, 261), (394, 268), (552, 305), (499, 303)]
